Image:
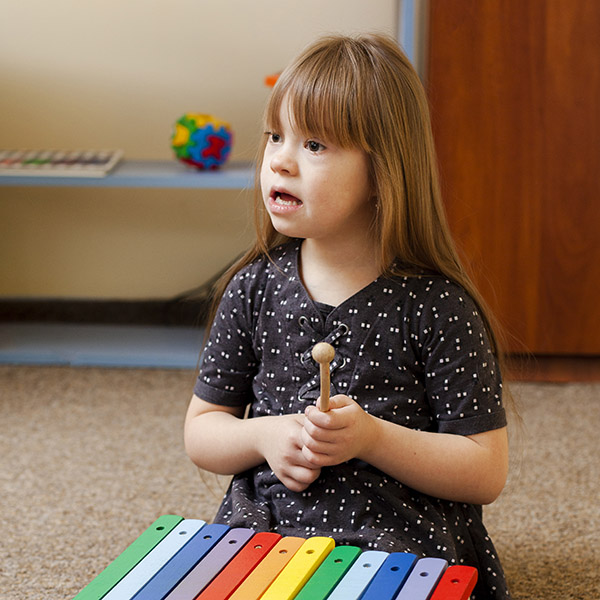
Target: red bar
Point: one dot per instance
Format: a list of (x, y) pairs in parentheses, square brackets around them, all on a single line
[(237, 569), (456, 583)]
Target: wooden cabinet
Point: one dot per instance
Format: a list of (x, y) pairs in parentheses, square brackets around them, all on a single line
[(515, 97)]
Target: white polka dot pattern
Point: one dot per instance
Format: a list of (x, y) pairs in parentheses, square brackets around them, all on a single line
[(411, 350)]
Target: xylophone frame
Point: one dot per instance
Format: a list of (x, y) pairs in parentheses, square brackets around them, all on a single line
[(186, 559)]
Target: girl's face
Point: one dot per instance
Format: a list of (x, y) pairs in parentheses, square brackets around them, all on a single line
[(313, 189)]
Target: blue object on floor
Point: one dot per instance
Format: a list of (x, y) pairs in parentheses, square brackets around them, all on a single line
[(83, 345)]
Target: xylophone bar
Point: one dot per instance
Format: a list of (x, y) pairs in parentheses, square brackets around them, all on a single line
[(258, 581), (359, 576), (160, 558), (457, 583), (391, 576), (300, 569), (329, 574), (134, 553), (240, 567), (199, 548), (186, 559), (422, 580), (207, 569)]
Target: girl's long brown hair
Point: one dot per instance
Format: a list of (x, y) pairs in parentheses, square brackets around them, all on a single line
[(363, 92)]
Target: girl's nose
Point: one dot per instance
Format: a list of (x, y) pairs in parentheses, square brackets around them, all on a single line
[(283, 161)]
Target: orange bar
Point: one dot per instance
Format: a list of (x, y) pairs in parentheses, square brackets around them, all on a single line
[(255, 585)]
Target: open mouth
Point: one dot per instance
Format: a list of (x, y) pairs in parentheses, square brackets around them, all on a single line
[(285, 199)]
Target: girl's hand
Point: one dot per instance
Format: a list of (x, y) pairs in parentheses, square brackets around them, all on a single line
[(340, 434), (282, 449), (461, 468)]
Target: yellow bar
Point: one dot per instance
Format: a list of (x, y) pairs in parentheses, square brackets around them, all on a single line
[(300, 569)]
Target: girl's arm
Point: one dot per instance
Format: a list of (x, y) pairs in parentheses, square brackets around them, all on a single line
[(218, 439), (470, 469)]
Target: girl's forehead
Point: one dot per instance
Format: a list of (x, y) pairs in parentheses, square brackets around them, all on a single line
[(303, 117), (282, 112), (284, 118)]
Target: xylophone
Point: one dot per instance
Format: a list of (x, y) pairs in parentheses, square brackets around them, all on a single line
[(185, 559)]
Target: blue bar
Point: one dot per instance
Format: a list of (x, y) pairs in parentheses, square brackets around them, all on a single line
[(181, 563), (390, 577)]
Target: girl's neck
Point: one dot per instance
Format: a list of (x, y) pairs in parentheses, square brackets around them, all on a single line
[(333, 273)]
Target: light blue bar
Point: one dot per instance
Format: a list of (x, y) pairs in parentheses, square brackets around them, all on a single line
[(182, 562), (153, 562), (358, 577)]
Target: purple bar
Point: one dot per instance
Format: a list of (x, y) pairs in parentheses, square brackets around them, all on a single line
[(210, 566), (422, 580)]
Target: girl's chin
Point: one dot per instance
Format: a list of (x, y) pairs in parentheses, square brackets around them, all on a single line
[(286, 227)]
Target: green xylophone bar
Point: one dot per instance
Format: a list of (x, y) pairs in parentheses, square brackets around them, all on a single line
[(130, 557)]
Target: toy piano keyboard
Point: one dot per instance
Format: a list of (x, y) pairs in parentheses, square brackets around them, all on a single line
[(58, 163), (185, 559)]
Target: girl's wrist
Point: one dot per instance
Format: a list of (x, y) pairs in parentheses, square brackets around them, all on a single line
[(262, 434), (258, 435), (371, 438)]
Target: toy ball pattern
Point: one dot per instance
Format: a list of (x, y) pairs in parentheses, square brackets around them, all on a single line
[(202, 140)]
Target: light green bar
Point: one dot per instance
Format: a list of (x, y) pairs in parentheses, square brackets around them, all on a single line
[(327, 576)]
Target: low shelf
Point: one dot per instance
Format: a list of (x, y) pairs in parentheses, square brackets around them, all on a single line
[(148, 174)]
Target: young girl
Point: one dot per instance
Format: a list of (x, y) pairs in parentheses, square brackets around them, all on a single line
[(353, 249)]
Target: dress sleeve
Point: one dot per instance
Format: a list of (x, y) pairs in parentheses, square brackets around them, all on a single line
[(462, 377), (228, 363)]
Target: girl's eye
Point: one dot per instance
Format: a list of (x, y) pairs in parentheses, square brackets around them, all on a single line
[(275, 138), (314, 146)]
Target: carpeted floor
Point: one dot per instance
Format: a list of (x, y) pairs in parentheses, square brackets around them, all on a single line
[(90, 457)]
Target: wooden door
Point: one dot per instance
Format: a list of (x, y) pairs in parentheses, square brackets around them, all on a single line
[(514, 87)]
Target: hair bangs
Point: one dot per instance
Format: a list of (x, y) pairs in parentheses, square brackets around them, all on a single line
[(322, 96)]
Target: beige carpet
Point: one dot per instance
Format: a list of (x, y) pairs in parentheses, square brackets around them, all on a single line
[(90, 457)]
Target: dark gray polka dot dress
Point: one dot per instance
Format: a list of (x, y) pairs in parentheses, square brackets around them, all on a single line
[(411, 350)]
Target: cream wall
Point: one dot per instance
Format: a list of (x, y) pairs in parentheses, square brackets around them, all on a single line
[(117, 74)]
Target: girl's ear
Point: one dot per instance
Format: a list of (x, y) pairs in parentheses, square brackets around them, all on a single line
[(377, 204)]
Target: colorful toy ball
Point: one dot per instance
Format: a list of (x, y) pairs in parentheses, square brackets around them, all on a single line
[(202, 140)]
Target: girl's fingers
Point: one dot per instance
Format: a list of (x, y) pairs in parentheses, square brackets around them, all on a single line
[(298, 478), (319, 459), (314, 444)]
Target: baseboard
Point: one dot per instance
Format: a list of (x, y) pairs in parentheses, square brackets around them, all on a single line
[(193, 312), (554, 369), (187, 312)]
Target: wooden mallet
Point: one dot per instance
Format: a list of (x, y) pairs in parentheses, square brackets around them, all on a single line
[(323, 353)]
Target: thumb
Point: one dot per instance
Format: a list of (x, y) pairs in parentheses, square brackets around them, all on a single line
[(337, 401)]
